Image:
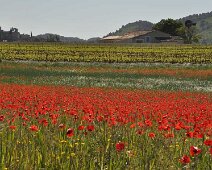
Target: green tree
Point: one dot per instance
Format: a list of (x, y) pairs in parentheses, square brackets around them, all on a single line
[(57, 38), (169, 26), (190, 35), (53, 38)]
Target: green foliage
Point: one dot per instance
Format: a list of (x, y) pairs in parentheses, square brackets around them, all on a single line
[(169, 26), (48, 37), (54, 52), (204, 25), (190, 35), (53, 38)]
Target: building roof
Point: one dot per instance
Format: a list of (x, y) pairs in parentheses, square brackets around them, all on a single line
[(127, 36), (131, 35), (135, 34), (112, 37)]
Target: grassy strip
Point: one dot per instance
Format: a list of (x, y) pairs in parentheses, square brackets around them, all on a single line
[(109, 76)]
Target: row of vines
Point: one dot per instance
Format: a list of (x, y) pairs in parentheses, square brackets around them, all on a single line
[(106, 53)]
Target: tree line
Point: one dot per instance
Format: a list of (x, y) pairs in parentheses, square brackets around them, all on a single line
[(178, 28)]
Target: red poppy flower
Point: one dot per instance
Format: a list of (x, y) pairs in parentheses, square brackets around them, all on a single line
[(186, 127), (81, 127), (120, 146), (54, 121), (151, 135), (177, 126), (185, 159), (140, 124), (44, 122), (100, 118), (132, 125), (70, 132), (190, 134), (62, 126), (198, 135), (208, 142), (164, 127), (148, 122), (33, 128), (90, 127), (140, 132), (12, 127), (2, 118), (195, 151), (169, 135)]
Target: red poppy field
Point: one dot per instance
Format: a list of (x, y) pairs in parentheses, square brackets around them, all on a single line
[(105, 107), (64, 127)]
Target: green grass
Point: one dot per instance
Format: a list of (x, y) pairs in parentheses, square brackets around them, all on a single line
[(51, 149)]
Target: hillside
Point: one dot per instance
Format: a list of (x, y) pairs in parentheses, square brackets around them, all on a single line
[(48, 37), (55, 38), (134, 26), (204, 25)]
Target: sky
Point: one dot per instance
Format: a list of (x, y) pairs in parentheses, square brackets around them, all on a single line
[(91, 18)]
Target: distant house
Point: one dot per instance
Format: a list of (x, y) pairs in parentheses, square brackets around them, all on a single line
[(139, 37), (12, 35)]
